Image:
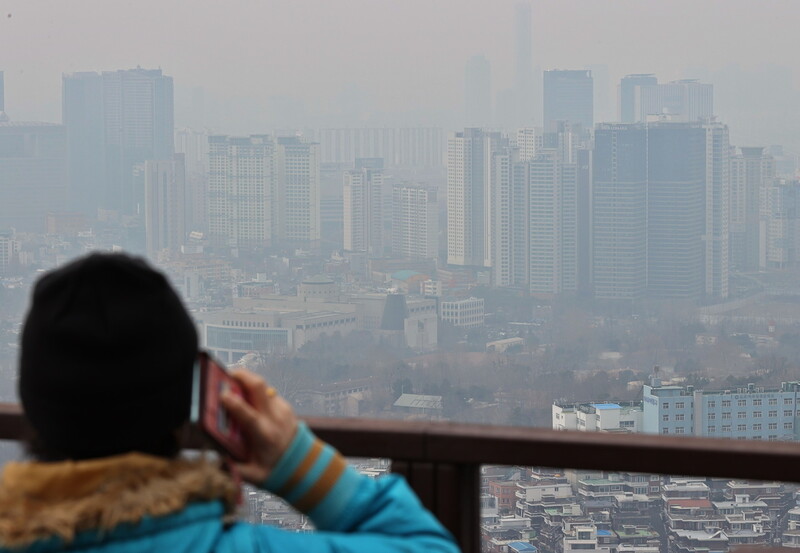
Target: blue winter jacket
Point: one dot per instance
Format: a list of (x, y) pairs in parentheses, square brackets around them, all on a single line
[(352, 512)]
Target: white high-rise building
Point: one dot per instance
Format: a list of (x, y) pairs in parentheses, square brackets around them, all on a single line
[(164, 205), (241, 187), (363, 211), (415, 222), (297, 215), (553, 224), (469, 219)]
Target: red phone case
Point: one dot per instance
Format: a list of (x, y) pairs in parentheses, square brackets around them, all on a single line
[(214, 419)]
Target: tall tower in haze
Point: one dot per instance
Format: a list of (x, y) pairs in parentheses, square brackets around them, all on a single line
[(628, 94), (478, 92), (525, 91)]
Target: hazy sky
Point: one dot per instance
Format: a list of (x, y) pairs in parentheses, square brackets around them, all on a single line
[(395, 56)]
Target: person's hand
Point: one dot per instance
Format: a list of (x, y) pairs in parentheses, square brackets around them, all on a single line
[(268, 423)]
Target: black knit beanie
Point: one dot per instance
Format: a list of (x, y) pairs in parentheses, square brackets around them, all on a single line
[(107, 357)]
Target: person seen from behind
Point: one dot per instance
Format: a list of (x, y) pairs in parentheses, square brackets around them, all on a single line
[(105, 381)]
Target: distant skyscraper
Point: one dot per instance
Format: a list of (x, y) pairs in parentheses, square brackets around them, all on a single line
[(619, 212), (241, 191), (685, 100), (33, 174), (659, 206), (165, 206), (628, 95), (415, 222), (568, 97), (752, 171), (478, 92), (115, 120), (298, 191), (717, 210), (194, 145), (363, 210), (676, 187), (469, 161)]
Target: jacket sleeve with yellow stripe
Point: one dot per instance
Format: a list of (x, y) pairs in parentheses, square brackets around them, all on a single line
[(352, 512)]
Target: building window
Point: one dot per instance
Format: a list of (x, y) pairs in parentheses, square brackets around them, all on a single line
[(757, 427), (773, 414), (679, 417), (788, 401), (665, 418), (665, 405), (679, 405), (773, 401), (741, 427), (757, 414), (741, 415), (712, 429), (787, 426), (773, 426), (756, 403), (741, 403), (726, 427), (712, 404), (665, 430), (726, 403), (788, 412), (726, 415), (679, 430)]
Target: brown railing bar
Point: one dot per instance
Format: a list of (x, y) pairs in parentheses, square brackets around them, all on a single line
[(465, 444)]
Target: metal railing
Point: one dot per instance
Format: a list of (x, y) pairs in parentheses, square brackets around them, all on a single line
[(442, 460)]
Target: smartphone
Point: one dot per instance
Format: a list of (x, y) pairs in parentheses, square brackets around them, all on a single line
[(210, 381)]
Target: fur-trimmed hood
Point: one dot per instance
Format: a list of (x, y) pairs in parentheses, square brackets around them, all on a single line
[(45, 500)]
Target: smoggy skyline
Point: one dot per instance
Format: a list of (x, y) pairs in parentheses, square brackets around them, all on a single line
[(387, 62)]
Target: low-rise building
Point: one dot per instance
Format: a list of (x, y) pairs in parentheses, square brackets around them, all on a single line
[(601, 417), (464, 313)]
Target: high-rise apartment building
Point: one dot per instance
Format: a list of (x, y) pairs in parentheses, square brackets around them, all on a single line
[(782, 242), (752, 171), (165, 206), (553, 204), (399, 147), (659, 223), (297, 217), (194, 146), (415, 222), (684, 100), (469, 167), (241, 191), (568, 97), (115, 120), (478, 92), (9, 247), (363, 193), (629, 94), (33, 174)]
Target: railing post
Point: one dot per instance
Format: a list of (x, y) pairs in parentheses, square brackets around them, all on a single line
[(451, 491)]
